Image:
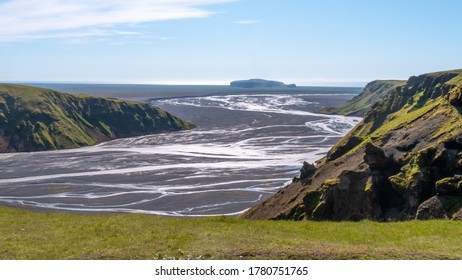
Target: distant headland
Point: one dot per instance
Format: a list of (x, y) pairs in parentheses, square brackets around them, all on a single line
[(260, 83)]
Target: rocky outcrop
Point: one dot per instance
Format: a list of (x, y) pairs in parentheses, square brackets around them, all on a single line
[(381, 167), (36, 119), (307, 170), (413, 180), (450, 186), (440, 207), (433, 208), (403, 161), (350, 197)]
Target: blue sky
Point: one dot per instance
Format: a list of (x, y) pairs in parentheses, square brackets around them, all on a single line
[(308, 42)]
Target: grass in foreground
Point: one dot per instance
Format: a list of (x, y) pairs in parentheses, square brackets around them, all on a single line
[(29, 235)]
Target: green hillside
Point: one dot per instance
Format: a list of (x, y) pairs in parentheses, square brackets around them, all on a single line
[(37, 119), (360, 104), (403, 161)]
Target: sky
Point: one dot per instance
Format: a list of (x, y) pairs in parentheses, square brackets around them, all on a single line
[(307, 42)]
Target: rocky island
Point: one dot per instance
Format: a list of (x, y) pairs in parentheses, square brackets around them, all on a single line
[(38, 119), (260, 83), (403, 161)]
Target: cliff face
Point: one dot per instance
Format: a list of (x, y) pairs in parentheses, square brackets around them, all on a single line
[(403, 161), (360, 104), (36, 119)]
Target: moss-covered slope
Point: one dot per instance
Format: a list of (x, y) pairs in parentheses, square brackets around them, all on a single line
[(360, 104), (37, 119), (404, 160)]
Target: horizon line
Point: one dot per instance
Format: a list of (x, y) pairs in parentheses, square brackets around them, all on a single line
[(331, 83)]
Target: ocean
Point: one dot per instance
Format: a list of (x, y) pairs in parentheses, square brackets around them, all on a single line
[(247, 145)]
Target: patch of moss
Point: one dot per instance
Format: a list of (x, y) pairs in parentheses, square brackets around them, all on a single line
[(368, 186), (451, 126), (413, 174), (315, 202), (449, 185), (404, 118), (331, 182), (106, 128), (446, 181), (457, 80), (83, 120), (45, 136), (299, 213), (312, 200)]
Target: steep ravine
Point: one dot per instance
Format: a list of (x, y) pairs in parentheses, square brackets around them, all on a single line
[(403, 161), (37, 119)]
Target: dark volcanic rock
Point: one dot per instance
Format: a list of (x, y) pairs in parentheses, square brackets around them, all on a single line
[(382, 167), (433, 208), (353, 198), (350, 197), (376, 159), (307, 170), (439, 207), (454, 143)]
